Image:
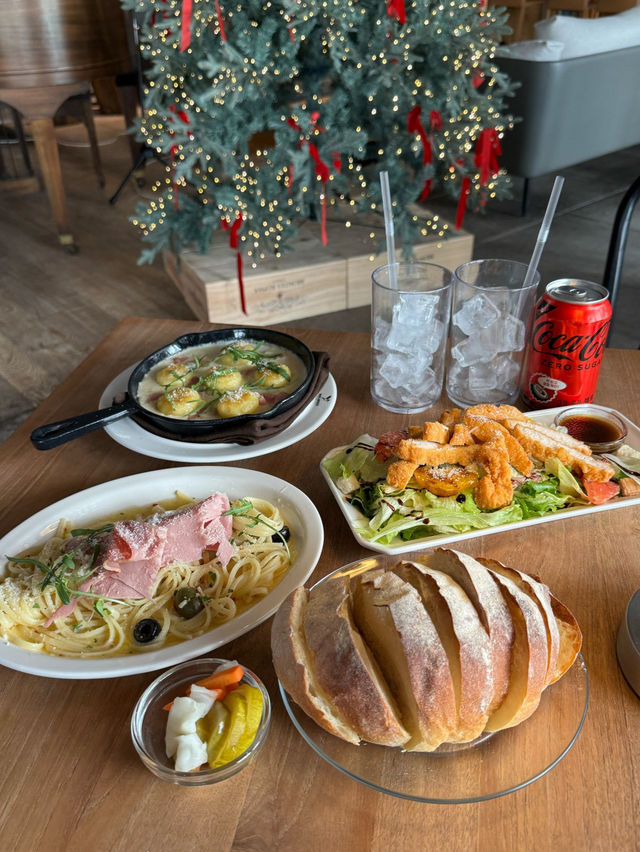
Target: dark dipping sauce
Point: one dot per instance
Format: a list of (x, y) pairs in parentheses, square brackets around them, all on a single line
[(591, 430)]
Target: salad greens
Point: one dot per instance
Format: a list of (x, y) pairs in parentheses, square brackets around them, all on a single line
[(415, 513)]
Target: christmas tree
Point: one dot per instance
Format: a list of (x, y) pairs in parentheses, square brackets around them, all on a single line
[(267, 112)]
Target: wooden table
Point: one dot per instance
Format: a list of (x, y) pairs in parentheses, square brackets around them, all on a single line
[(71, 778)]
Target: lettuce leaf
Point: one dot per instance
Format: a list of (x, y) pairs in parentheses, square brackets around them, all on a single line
[(542, 503), (356, 459), (567, 483), (367, 498), (415, 513)]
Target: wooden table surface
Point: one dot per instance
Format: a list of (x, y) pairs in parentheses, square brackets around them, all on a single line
[(72, 780)]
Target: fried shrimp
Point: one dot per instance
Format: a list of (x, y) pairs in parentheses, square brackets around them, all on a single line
[(428, 452), (540, 446), (437, 432), (486, 430), (496, 412), (450, 416), (488, 441), (399, 474), (461, 436), (495, 490)]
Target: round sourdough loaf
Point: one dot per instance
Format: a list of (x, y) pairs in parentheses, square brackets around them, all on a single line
[(422, 653)]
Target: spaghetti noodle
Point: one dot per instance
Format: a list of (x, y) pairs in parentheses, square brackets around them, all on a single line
[(104, 627)]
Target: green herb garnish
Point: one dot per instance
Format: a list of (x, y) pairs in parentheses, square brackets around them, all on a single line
[(62, 572), (258, 360)]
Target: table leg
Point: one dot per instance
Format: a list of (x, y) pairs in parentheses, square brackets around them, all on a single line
[(46, 144), (87, 117)]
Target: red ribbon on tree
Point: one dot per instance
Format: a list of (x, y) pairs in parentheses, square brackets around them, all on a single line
[(234, 243), (321, 168), (462, 201), (485, 159), (414, 125), (395, 9), (488, 149), (223, 35), (185, 25)]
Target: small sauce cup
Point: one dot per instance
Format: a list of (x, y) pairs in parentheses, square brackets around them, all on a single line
[(149, 722), (599, 428)]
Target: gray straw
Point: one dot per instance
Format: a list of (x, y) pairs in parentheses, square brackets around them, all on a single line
[(543, 233), (388, 228)]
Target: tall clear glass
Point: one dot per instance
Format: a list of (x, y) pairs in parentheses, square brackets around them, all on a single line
[(490, 325), (410, 310)]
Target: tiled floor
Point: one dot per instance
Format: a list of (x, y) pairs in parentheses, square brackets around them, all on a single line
[(577, 244)]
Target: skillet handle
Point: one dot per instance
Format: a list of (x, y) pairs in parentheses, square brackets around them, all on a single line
[(53, 434)]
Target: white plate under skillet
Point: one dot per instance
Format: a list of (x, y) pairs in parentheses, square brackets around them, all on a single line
[(90, 505), (356, 519), (132, 436)]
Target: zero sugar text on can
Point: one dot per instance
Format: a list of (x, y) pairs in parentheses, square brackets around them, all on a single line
[(570, 328)]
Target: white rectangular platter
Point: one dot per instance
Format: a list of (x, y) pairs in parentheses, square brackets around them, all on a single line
[(355, 518)]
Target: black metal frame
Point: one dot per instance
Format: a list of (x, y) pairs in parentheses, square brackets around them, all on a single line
[(618, 242), (146, 153)]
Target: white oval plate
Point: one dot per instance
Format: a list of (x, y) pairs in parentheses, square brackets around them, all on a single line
[(132, 436), (142, 489)]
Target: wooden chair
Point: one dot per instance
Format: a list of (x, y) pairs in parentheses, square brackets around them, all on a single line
[(16, 172), (581, 8), (522, 16), (613, 7), (79, 107)]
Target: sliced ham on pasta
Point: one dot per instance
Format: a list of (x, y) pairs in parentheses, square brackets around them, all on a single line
[(133, 552)]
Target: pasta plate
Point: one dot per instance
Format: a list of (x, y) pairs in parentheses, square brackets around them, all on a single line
[(142, 489)]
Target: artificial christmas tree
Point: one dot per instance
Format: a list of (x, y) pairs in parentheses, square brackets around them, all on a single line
[(270, 112)]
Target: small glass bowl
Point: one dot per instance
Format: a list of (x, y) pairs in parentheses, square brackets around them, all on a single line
[(596, 412), (149, 720)]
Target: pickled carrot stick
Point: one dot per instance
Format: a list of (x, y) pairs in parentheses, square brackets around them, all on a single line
[(223, 678)]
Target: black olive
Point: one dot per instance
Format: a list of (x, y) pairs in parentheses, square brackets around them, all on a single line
[(283, 534), (461, 498), (146, 630), (187, 602)]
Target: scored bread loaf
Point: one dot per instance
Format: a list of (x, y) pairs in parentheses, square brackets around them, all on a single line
[(422, 653), (465, 642), (402, 636)]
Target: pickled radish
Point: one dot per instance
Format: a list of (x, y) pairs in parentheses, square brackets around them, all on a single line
[(224, 721)]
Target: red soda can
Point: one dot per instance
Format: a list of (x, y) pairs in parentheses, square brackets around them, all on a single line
[(570, 328)]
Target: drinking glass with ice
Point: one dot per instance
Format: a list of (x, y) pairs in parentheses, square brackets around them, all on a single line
[(410, 310), (490, 320)]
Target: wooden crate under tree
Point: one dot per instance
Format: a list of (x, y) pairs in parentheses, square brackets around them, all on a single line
[(308, 280)]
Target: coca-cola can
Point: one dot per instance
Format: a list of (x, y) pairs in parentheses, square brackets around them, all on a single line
[(570, 328)]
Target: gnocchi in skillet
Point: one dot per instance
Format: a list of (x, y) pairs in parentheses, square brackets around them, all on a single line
[(217, 381)]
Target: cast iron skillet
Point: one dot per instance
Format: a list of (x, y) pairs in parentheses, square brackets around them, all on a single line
[(53, 434)]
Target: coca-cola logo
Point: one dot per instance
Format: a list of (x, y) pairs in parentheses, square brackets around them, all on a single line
[(545, 307), (581, 347)]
